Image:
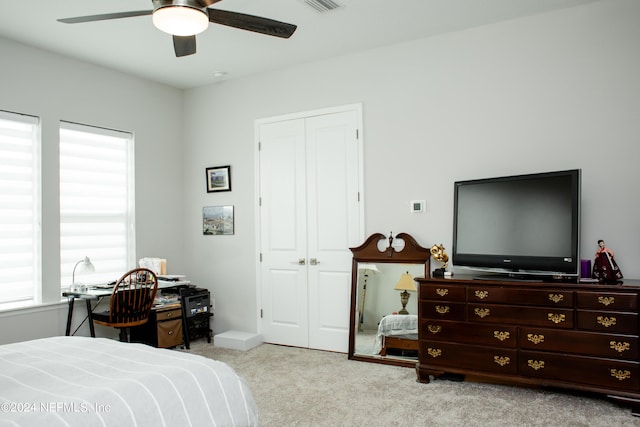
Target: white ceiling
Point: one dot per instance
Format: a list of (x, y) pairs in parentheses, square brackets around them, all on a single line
[(135, 46)]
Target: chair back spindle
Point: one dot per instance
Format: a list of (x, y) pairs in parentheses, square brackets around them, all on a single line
[(131, 300)]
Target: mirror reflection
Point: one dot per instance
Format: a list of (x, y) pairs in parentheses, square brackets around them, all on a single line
[(387, 310)]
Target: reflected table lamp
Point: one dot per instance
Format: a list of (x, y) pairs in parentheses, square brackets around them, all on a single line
[(405, 284), (82, 266)]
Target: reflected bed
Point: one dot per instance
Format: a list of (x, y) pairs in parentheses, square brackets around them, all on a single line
[(397, 331)]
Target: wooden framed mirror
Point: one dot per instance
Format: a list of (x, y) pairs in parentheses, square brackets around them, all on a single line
[(384, 301)]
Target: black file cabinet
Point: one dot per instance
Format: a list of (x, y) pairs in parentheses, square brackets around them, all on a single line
[(196, 314)]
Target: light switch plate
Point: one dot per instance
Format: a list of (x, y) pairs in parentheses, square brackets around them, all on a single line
[(417, 206)]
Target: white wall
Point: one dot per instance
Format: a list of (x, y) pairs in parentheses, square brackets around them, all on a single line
[(548, 92), (56, 88), (553, 91)]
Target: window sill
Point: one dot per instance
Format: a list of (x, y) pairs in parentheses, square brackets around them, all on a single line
[(25, 307)]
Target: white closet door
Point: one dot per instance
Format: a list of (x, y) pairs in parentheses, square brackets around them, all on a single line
[(283, 233), (310, 216), (332, 225)]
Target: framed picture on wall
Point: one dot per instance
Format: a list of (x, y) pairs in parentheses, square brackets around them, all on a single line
[(217, 220), (218, 179)]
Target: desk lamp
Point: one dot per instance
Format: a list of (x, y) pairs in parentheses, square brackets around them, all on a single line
[(85, 267), (405, 284)]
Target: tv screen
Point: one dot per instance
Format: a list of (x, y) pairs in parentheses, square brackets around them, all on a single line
[(521, 225)]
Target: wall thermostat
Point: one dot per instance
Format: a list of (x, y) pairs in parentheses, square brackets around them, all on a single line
[(417, 206)]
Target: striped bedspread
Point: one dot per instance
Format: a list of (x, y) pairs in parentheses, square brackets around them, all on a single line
[(80, 381)]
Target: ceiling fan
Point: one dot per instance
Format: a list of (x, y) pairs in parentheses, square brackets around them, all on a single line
[(183, 19)]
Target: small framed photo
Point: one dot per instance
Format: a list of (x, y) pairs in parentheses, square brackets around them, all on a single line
[(218, 179), (217, 220)]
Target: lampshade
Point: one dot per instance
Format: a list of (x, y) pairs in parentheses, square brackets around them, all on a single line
[(368, 267), (405, 283), (180, 20), (82, 266)]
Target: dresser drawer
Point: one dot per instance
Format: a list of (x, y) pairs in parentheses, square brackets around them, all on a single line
[(535, 316), (442, 292), (458, 356), (612, 374), (617, 301), (537, 297), (168, 314), (608, 321), (170, 333), (492, 335), (576, 342), (442, 310)]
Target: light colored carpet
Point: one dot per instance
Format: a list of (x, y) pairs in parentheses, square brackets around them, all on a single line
[(301, 387)]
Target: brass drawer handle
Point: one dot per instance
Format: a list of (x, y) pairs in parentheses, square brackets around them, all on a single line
[(482, 312), (556, 298), (536, 339), (434, 352), (620, 374), (606, 300), (606, 321), (170, 314), (482, 294), (536, 364), (442, 309), (434, 329), (501, 335), (442, 292), (170, 333), (556, 318), (619, 346), (501, 360)]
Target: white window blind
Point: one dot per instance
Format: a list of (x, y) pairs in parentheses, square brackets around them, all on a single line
[(20, 264), (96, 202)]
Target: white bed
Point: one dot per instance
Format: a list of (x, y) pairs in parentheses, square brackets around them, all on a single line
[(396, 325), (80, 381)]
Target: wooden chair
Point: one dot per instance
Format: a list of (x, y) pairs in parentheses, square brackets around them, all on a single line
[(131, 301)]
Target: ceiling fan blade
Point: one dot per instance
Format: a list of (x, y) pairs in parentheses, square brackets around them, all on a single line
[(105, 16), (184, 45), (256, 24)]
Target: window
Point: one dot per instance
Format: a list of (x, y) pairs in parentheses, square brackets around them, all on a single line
[(96, 202), (20, 265)]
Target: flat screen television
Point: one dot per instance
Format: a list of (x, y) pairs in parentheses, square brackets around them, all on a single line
[(522, 227)]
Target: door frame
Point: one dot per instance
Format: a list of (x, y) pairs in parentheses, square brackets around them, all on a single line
[(258, 226)]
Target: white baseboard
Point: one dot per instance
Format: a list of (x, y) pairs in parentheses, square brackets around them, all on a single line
[(237, 340)]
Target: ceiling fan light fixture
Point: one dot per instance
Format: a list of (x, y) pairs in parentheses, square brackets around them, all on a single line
[(180, 20)]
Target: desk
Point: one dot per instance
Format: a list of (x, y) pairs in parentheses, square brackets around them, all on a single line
[(92, 294)]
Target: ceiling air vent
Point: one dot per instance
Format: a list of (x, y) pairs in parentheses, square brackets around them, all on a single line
[(322, 5)]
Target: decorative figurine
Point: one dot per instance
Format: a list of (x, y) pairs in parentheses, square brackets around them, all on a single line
[(440, 255), (605, 268)]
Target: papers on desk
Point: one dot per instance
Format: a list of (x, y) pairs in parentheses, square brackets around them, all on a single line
[(171, 284), (171, 280), (171, 277), (163, 282), (166, 299), (109, 285)]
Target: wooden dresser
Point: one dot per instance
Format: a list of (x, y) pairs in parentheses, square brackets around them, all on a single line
[(574, 336)]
